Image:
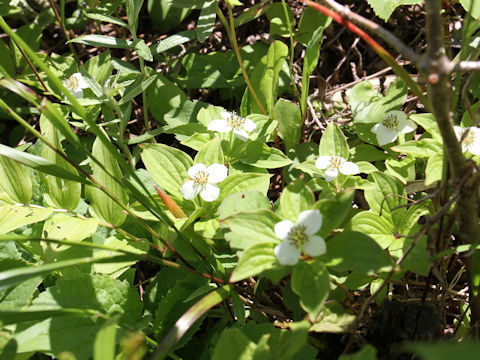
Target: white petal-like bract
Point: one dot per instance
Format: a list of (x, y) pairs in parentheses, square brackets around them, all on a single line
[(210, 192), (349, 168), (331, 174), (323, 162), (283, 228), (192, 172), (384, 134), (190, 189), (219, 125), (287, 254), (315, 246), (217, 173), (311, 219)]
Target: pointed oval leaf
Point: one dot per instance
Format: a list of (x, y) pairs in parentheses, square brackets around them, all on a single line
[(15, 183)]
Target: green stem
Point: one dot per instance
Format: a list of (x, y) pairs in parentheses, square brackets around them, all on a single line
[(64, 30), (233, 40), (144, 92)]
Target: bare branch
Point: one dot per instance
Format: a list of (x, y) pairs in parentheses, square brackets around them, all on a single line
[(466, 66), (386, 35)]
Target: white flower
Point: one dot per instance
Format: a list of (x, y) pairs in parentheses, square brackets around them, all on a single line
[(241, 126), (334, 164), (299, 237), (395, 122), (75, 83), (202, 181), (470, 138)]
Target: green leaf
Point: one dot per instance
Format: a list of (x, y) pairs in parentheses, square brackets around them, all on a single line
[(15, 183), (295, 198), (142, 50), (243, 181), (428, 122), (62, 226), (384, 9), (264, 80), (366, 152), (172, 98), (311, 59), (278, 20), (358, 252), (390, 194), (289, 122), (423, 148), (188, 319), (243, 201), (59, 193), (310, 22), (334, 210), (263, 156), (99, 67), (403, 170), (102, 41), (104, 207), (377, 227), (466, 350), (105, 341), (188, 4), (6, 64), (210, 153), (167, 166), (40, 164), (107, 19), (333, 142), (173, 41), (234, 345), (254, 226), (136, 88), (434, 169), (12, 217), (335, 319), (13, 277), (472, 7), (254, 260), (311, 281), (206, 21)]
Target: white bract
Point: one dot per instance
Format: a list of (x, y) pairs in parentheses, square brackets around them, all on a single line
[(334, 164), (470, 139), (75, 83), (203, 181), (299, 237), (241, 126), (395, 122)]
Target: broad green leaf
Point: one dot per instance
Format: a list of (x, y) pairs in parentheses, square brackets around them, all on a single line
[(384, 8), (172, 98), (389, 195), (133, 10), (465, 350), (334, 319), (310, 21), (188, 319), (403, 170), (234, 345), (254, 226), (243, 181), (423, 148), (333, 142), (334, 211), (427, 121), (12, 217), (40, 164), (311, 281), (263, 156), (472, 7), (100, 67), (18, 297), (210, 153), (168, 166), (173, 41), (243, 201), (366, 152), (206, 21), (62, 226), (13, 277), (142, 50), (104, 345), (379, 228), (278, 20), (59, 193), (9, 317), (6, 64), (295, 198), (434, 169), (188, 4), (165, 17), (265, 80), (289, 122), (102, 41), (104, 207), (358, 252), (15, 183), (254, 260)]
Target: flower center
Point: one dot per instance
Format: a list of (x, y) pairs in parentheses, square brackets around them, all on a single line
[(201, 177), (72, 83), (390, 121), (297, 235), (336, 162), (236, 121), (469, 137)]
